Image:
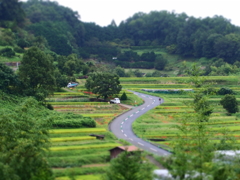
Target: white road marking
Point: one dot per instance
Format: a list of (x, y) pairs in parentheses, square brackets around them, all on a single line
[(153, 149), (126, 119), (122, 131), (131, 115), (150, 98), (122, 122), (148, 105), (140, 143), (125, 135), (143, 108), (131, 139), (137, 112), (153, 103)]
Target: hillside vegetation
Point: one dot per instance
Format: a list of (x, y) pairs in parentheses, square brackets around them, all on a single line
[(157, 40)]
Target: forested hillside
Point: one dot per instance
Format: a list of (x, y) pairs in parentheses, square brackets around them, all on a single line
[(58, 30)]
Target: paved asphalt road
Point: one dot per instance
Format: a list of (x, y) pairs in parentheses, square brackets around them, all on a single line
[(122, 125)]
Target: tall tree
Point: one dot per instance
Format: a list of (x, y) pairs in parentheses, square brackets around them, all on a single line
[(24, 140), (128, 166), (103, 84), (37, 73)]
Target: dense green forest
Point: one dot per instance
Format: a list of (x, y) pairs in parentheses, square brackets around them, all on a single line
[(58, 30), (159, 40)]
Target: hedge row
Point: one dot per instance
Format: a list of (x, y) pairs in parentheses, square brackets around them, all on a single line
[(74, 123), (82, 130)]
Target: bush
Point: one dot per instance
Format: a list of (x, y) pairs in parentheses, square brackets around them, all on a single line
[(229, 102), (70, 120), (88, 122), (224, 91), (211, 91), (50, 107), (8, 52), (160, 62), (148, 74), (18, 49), (75, 123), (124, 96)]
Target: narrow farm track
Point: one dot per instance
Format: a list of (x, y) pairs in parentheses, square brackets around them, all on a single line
[(122, 125)]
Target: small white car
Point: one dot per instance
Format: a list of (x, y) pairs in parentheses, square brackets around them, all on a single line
[(115, 101)]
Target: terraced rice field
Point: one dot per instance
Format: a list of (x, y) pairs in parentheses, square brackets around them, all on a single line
[(160, 123), (75, 152)]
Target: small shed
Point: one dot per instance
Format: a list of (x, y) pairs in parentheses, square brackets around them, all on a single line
[(117, 150)]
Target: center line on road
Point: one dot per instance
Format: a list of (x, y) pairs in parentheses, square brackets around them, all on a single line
[(148, 105), (125, 135), (131, 115), (122, 131), (153, 103), (126, 119), (137, 112), (140, 143), (131, 139), (122, 122), (153, 149), (143, 108)]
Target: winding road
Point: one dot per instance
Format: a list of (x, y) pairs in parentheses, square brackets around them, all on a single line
[(122, 125)]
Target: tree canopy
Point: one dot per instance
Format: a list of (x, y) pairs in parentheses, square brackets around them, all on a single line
[(37, 73), (24, 139), (8, 79), (11, 10), (103, 84), (129, 166)]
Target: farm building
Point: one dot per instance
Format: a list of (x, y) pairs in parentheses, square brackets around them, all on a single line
[(117, 150)]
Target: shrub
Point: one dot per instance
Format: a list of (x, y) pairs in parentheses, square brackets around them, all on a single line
[(50, 107), (75, 123), (70, 120), (8, 52), (229, 102), (148, 74), (224, 91), (124, 96), (88, 122), (18, 49), (211, 91), (160, 62)]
